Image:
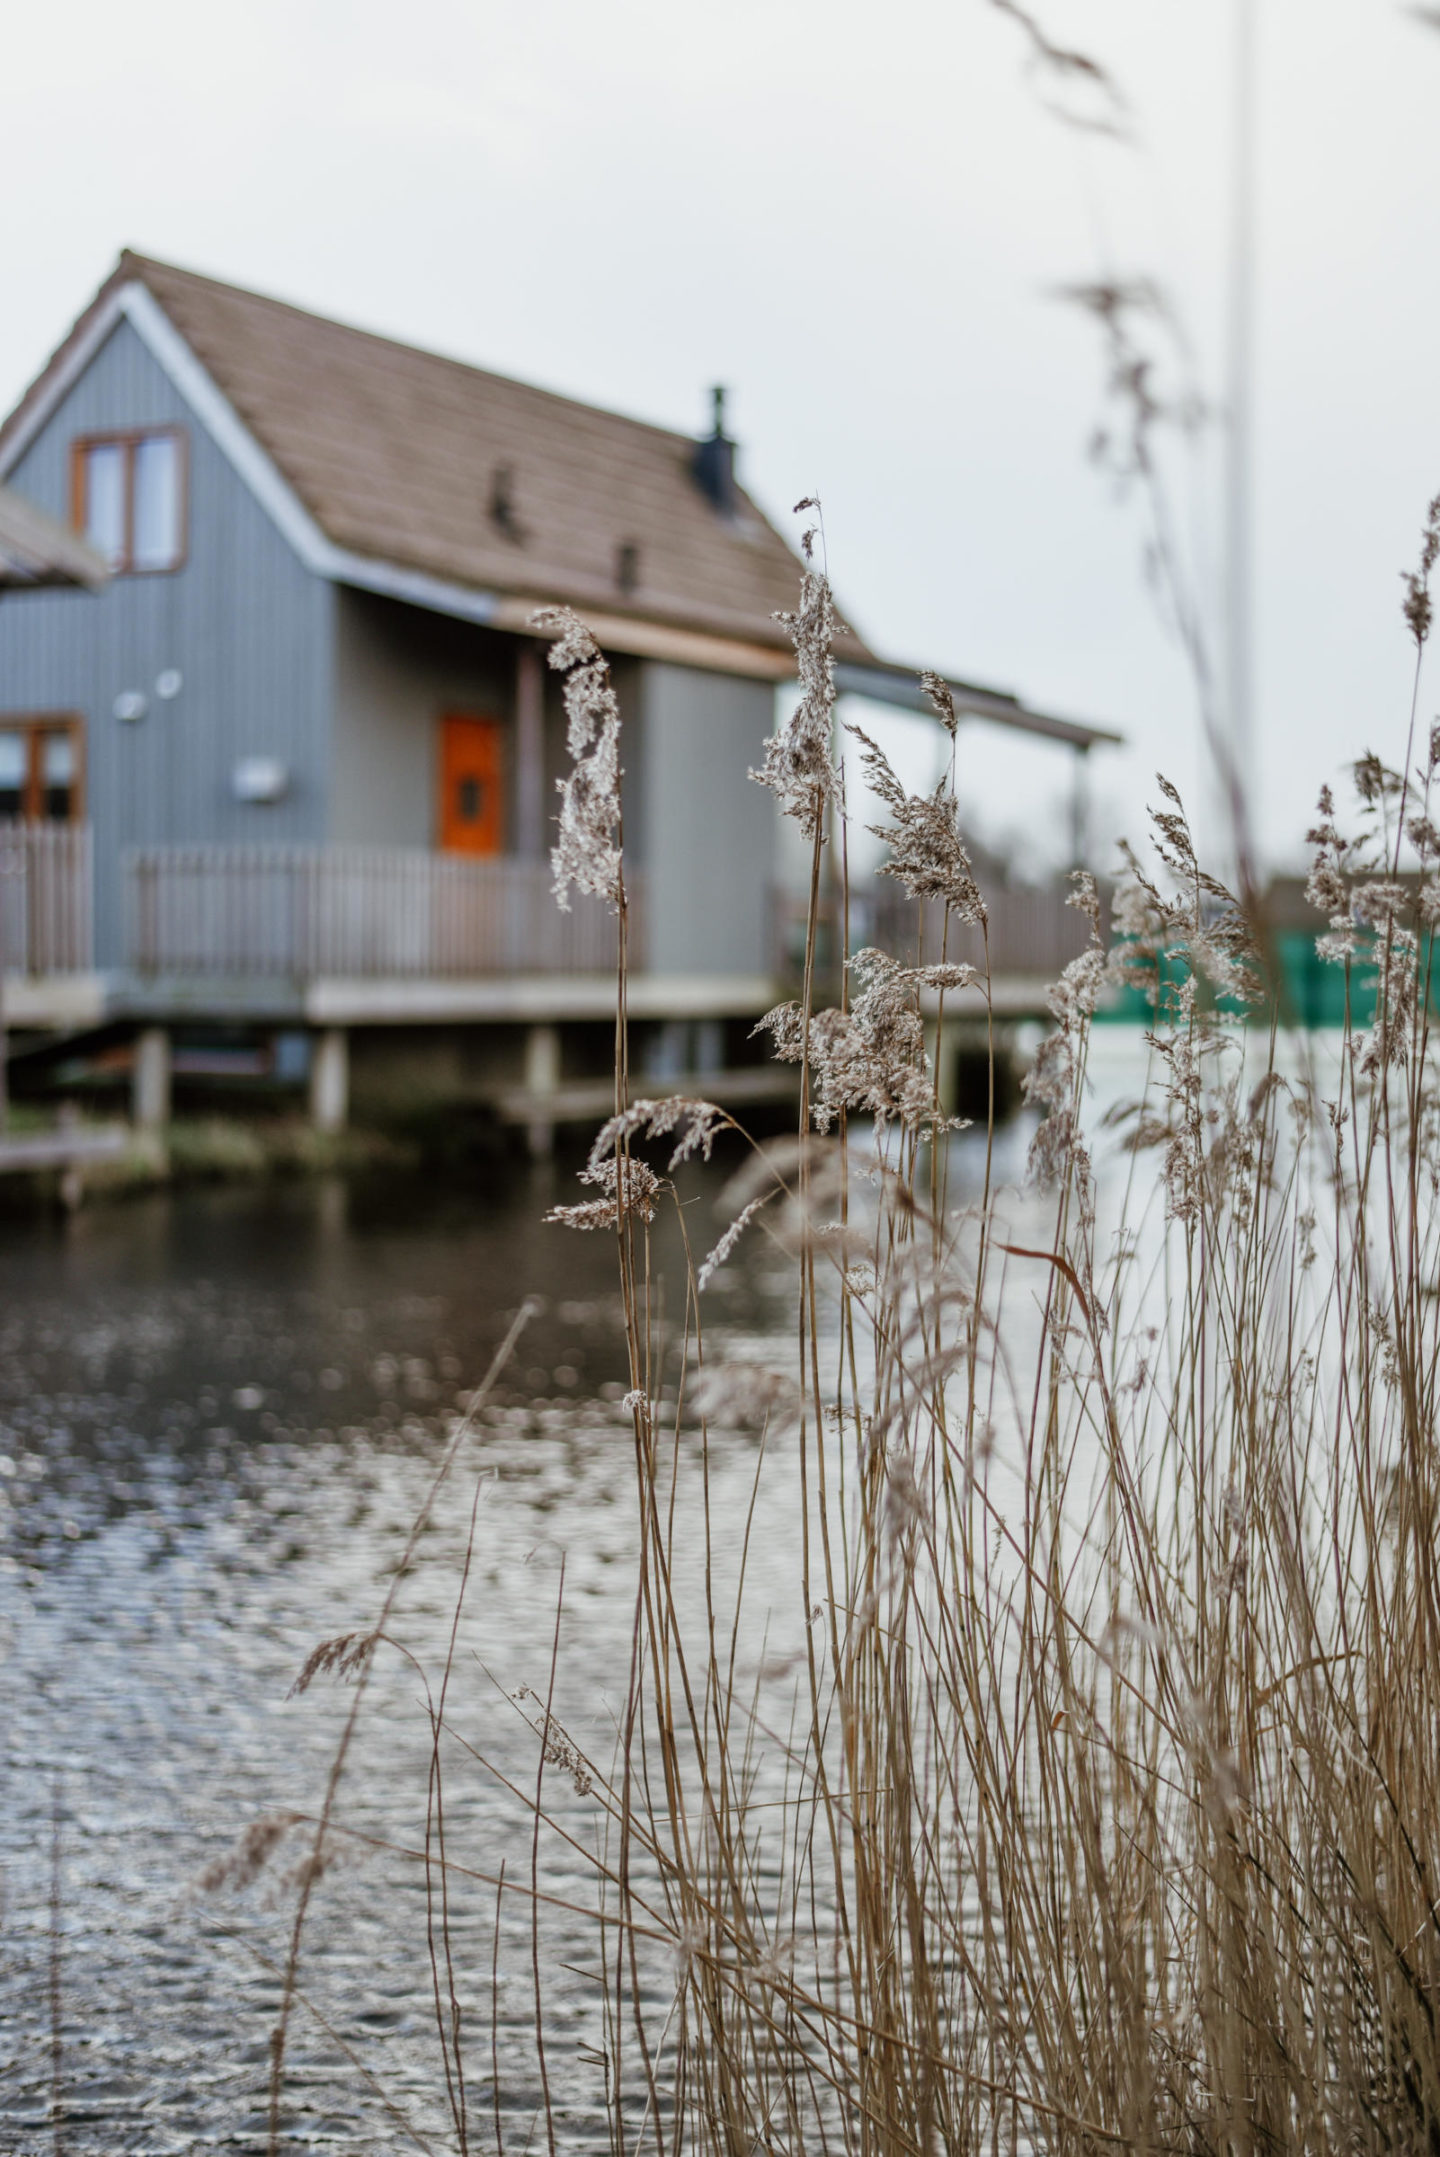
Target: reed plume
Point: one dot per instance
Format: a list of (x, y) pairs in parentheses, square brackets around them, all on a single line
[(1078, 1788)]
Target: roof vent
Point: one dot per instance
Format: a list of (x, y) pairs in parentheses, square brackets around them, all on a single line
[(627, 567), (502, 504), (713, 463)]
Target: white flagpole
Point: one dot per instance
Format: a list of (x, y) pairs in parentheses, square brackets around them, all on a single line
[(1239, 782)]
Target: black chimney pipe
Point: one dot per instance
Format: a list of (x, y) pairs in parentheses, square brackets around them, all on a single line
[(713, 463)]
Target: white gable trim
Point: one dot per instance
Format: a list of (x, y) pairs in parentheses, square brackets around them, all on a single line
[(135, 304), (368, 575), (77, 359), (225, 427)]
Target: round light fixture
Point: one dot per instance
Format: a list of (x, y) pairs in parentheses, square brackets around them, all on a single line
[(260, 779)]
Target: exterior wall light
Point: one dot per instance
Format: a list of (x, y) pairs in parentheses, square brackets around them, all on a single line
[(260, 779)]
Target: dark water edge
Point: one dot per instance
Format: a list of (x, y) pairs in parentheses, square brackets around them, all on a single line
[(218, 1411), (220, 1408)]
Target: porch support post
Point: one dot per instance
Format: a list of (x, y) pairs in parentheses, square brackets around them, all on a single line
[(529, 752), (947, 1058), (1080, 810), (4, 1043), (150, 1079), (542, 1078), (330, 1079)]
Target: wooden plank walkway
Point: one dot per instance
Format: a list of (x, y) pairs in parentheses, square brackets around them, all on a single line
[(22, 1153), (592, 1100)]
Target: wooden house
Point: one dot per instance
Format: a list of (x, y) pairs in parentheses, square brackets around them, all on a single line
[(306, 742)]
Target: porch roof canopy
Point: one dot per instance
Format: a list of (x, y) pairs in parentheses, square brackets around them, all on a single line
[(901, 686), (35, 550)]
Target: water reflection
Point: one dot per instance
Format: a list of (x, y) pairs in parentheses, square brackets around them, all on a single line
[(217, 1413)]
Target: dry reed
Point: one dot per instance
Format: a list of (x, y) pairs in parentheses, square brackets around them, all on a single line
[(1101, 1812)]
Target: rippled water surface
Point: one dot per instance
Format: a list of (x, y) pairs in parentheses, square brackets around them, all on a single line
[(218, 1412)]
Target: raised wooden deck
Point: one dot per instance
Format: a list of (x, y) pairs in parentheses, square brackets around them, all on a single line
[(378, 936), (67, 1146)]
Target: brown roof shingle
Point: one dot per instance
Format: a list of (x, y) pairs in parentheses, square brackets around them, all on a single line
[(394, 453)]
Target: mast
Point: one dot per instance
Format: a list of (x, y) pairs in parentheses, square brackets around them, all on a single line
[(1238, 782)]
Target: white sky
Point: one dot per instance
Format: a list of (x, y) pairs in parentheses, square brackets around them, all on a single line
[(854, 216)]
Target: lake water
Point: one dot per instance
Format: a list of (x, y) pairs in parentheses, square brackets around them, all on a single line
[(218, 1412)]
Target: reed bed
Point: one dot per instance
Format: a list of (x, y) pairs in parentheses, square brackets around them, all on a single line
[(1086, 1796)]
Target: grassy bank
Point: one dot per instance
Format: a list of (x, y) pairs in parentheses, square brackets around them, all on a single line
[(207, 1149)]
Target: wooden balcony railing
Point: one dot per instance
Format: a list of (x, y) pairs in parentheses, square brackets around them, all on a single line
[(354, 912), (46, 902), (1033, 933)]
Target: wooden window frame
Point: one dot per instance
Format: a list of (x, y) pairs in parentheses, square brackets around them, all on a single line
[(128, 438), (35, 726)]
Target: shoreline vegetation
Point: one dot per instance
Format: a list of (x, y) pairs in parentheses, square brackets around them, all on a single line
[(204, 1149), (1094, 1800)]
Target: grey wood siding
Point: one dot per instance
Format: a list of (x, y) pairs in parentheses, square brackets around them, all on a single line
[(346, 689), (398, 669), (245, 624), (708, 829)]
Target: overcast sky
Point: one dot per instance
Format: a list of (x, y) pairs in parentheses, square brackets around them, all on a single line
[(855, 216)]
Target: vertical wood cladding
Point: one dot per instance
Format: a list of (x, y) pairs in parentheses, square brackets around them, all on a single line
[(243, 623), (709, 830), (346, 690)]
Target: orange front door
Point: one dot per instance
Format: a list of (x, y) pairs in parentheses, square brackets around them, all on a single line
[(472, 783)]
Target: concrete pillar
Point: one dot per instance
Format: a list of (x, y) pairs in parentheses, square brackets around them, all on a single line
[(529, 840), (330, 1079), (150, 1080), (708, 1055), (945, 1051), (667, 1055), (542, 1077)]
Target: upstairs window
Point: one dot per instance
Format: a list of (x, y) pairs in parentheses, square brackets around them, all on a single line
[(129, 498)]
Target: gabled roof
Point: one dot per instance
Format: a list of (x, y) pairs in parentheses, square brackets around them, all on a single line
[(382, 462), (35, 550), (395, 453)]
